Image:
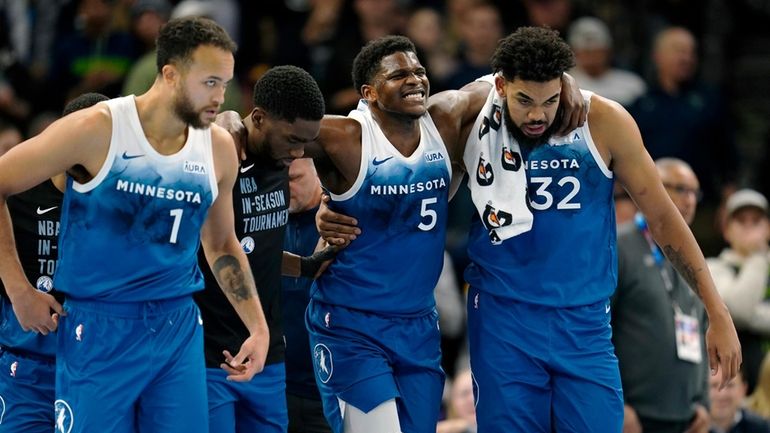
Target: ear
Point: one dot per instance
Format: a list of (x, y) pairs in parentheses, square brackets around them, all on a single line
[(368, 92), (258, 117), (170, 73), (500, 85)]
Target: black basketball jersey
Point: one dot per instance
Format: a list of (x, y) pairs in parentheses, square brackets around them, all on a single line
[(261, 208), (35, 217)]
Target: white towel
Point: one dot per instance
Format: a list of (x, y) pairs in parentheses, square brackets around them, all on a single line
[(499, 184)]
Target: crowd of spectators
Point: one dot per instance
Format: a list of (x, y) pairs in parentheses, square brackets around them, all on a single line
[(691, 73)]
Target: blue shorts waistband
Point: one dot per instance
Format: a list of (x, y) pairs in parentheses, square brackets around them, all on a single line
[(130, 309)]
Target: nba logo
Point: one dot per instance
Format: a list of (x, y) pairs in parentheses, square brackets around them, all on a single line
[(327, 318), (476, 302), (79, 332), (14, 366)]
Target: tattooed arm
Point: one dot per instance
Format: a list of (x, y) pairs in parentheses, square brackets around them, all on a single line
[(620, 144), (230, 266)]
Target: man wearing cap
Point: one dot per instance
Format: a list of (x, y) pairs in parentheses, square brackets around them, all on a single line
[(665, 378), (741, 275), (591, 42)]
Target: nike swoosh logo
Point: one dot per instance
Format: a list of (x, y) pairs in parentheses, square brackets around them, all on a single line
[(247, 168), (127, 156), (375, 162), (45, 211)]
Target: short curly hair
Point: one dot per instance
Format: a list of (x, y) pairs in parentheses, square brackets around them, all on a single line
[(367, 62), (83, 101), (181, 36), (287, 93), (532, 54)]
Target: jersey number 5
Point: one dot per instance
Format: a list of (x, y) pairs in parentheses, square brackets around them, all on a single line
[(430, 214)]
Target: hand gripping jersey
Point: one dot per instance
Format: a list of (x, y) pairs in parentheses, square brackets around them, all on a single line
[(569, 256), (401, 206), (131, 233)]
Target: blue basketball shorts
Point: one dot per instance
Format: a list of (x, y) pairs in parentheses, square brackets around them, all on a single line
[(366, 359), (543, 369), (26, 393), (133, 367), (248, 407)]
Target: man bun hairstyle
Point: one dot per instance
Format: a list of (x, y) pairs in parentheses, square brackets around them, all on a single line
[(367, 61), (287, 93), (532, 54), (181, 36)]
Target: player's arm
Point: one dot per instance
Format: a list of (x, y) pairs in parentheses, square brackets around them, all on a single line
[(60, 147), (620, 142), (229, 265)]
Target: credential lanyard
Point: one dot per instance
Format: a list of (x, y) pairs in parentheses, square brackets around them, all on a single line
[(657, 254)]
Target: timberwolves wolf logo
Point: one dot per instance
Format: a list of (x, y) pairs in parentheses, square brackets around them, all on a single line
[(510, 160), (484, 175), (64, 419), (44, 284), (247, 244), (322, 358)]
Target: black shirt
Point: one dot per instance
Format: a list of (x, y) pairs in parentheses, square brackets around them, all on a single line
[(261, 207), (35, 217)]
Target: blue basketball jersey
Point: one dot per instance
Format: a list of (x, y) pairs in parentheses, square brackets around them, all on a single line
[(401, 206), (568, 258), (131, 233)]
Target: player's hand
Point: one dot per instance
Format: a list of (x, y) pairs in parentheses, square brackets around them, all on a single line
[(232, 122), (724, 349), (334, 228), (631, 423), (314, 265), (572, 106), (249, 361), (701, 421), (33, 311)]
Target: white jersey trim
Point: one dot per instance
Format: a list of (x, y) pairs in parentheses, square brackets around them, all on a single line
[(590, 140), (106, 165), (363, 166), (209, 154)]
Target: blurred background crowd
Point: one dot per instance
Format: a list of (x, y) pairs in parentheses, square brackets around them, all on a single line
[(695, 75)]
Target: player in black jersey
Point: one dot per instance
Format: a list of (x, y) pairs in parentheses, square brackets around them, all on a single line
[(288, 109)]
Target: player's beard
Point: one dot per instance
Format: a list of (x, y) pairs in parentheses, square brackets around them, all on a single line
[(183, 108), (524, 140)]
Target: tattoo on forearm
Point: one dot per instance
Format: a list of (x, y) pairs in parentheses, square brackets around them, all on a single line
[(227, 270), (685, 269)]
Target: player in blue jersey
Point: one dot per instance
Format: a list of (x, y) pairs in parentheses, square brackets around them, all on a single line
[(150, 180), (372, 319), (27, 391), (538, 307)]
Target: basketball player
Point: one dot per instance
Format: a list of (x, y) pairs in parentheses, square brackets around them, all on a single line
[(528, 272), (287, 115), (29, 359), (150, 179), (538, 307)]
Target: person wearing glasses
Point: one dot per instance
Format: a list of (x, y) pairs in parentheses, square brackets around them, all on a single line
[(742, 275), (665, 379)]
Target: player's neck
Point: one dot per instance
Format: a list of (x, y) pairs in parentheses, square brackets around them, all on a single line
[(165, 131), (402, 131)]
